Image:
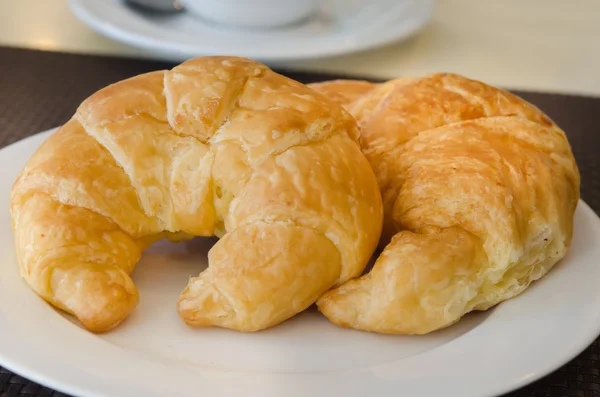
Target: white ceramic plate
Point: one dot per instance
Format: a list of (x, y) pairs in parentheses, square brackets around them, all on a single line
[(341, 26), (154, 354)]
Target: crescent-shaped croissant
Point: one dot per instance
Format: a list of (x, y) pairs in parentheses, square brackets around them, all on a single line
[(479, 190), (216, 146)]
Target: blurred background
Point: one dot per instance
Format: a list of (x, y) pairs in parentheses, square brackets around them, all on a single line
[(537, 45)]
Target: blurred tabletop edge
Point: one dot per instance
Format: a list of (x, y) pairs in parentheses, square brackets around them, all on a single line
[(41, 89)]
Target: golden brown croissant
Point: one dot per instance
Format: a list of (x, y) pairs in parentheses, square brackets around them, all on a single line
[(216, 145), (479, 188)]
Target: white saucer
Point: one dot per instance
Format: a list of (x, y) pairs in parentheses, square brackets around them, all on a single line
[(153, 354), (341, 26)]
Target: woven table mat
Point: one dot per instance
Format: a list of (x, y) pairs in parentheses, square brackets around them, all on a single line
[(41, 90)]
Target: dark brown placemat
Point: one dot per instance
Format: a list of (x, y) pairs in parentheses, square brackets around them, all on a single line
[(40, 90)]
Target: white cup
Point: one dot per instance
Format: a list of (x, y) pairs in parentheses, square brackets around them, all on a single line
[(252, 13)]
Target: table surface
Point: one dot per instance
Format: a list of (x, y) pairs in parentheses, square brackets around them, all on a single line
[(539, 45)]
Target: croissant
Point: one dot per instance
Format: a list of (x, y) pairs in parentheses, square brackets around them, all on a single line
[(216, 146), (479, 190)]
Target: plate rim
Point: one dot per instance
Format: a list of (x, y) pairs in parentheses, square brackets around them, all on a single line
[(28, 371), (179, 52)]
